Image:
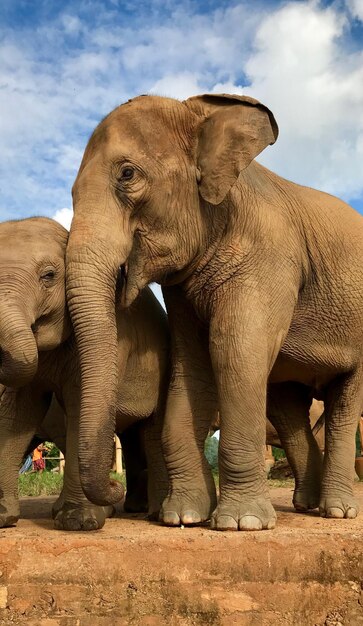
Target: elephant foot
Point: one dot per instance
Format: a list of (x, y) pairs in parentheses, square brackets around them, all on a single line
[(156, 499), (58, 505), (308, 482), (83, 516), (338, 506), (187, 508), (248, 514), (7, 520), (306, 498), (9, 513)]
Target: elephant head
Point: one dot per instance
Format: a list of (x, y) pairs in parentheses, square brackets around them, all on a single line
[(144, 200), (33, 313)]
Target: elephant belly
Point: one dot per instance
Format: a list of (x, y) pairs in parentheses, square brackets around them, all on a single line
[(324, 339), (312, 363), (138, 393)]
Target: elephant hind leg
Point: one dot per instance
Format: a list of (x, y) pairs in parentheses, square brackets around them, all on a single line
[(288, 407), (343, 406)]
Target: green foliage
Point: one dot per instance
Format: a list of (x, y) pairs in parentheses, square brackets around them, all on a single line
[(52, 451), (121, 478), (211, 452), (49, 483), (278, 453), (40, 484)]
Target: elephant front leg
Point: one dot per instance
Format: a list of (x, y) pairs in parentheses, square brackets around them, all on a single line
[(288, 407), (20, 415), (73, 511), (240, 357), (343, 406), (191, 407), (192, 494)]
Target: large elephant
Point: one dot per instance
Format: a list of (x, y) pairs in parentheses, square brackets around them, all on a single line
[(263, 281), (32, 290)]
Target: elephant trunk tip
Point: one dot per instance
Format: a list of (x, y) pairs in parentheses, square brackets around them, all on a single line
[(103, 495)]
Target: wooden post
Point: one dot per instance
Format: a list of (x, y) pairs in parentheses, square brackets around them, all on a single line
[(61, 462), (269, 459), (118, 455)]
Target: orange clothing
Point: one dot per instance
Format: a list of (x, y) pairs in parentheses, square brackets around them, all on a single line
[(37, 454)]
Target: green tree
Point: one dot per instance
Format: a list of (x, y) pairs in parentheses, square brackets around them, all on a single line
[(211, 452)]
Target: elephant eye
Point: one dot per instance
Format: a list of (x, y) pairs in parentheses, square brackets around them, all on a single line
[(126, 173), (48, 277)]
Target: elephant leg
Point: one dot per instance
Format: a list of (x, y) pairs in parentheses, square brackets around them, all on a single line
[(158, 482), (343, 406), (21, 412), (241, 351), (76, 512), (133, 449), (191, 406), (288, 407)]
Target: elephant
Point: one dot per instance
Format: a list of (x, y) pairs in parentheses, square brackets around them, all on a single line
[(263, 284), (53, 428), (316, 417), (34, 312)]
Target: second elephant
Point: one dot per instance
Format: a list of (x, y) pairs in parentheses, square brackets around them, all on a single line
[(32, 294)]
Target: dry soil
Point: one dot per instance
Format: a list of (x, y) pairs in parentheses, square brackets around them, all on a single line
[(308, 571)]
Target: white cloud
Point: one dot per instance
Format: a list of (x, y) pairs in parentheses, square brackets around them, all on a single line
[(64, 217), (314, 86), (356, 8), (58, 79), (179, 86)]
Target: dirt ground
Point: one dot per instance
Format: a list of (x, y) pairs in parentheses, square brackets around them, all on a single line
[(308, 571)]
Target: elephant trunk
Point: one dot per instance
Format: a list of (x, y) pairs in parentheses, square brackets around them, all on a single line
[(18, 349), (91, 290)]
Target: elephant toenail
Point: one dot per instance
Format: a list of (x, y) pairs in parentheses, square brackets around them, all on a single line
[(226, 522), (335, 512), (190, 517), (170, 518), (250, 522)]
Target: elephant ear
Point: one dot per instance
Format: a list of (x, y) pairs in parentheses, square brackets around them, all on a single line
[(235, 129)]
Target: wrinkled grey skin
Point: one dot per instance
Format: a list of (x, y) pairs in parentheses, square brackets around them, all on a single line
[(32, 280), (13, 444), (82, 515), (263, 282)]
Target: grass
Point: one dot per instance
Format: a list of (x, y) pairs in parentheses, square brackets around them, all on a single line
[(49, 483), (45, 484)]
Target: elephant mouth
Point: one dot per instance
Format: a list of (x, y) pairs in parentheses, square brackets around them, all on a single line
[(129, 285), (122, 285), (121, 281), (123, 272)]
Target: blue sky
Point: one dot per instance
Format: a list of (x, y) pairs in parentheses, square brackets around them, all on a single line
[(64, 65)]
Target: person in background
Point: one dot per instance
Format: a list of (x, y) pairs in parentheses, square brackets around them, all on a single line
[(37, 458)]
